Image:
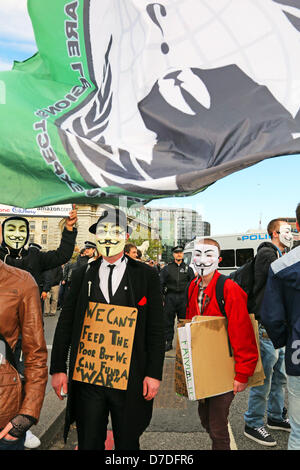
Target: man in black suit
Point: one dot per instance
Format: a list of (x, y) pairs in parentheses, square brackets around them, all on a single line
[(128, 283)]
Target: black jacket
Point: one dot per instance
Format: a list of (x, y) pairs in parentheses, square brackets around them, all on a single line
[(149, 344), (35, 261), (267, 252), (175, 278), (55, 275)]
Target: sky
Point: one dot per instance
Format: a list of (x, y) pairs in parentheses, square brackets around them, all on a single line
[(236, 203)]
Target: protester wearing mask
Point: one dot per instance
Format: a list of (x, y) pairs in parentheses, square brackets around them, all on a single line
[(270, 396), (113, 279), (202, 300), (15, 232), (280, 315)]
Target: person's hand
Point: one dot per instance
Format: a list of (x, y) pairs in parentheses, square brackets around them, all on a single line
[(72, 219), (150, 388), (239, 386), (44, 295), (60, 384), (5, 431)]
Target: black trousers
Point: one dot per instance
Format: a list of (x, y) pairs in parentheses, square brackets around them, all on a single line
[(213, 413), (175, 304), (92, 407)]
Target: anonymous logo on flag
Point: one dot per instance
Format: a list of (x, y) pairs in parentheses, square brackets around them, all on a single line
[(173, 95)]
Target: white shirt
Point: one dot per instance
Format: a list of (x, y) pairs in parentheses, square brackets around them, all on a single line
[(117, 275)]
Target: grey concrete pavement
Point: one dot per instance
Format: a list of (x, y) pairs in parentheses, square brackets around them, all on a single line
[(175, 423)]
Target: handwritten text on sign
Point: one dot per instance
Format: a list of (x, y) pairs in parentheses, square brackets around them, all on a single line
[(105, 346)]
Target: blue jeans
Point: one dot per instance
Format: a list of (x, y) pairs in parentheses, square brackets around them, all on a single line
[(270, 395), (12, 445), (293, 386)]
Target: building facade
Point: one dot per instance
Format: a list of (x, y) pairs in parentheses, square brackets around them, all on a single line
[(163, 228)]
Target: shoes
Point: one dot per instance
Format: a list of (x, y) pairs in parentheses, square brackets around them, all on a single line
[(283, 425), (168, 346), (31, 441), (260, 435)]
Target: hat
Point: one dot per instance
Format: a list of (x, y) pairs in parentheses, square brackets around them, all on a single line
[(177, 249), (88, 244), (115, 216)]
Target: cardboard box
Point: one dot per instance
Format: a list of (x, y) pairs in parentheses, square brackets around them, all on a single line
[(212, 365)]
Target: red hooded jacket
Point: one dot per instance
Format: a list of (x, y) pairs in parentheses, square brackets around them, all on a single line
[(240, 330)]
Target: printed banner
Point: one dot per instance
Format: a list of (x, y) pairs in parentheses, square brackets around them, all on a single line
[(105, 347), (147, 100), (47, 211)]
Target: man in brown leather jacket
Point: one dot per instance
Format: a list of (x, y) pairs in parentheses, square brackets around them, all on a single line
[(20, 314)]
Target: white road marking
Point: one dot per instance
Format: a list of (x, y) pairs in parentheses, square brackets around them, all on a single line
[(233, 445)]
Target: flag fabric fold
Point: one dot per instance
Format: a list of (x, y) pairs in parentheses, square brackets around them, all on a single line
[(147, 100)]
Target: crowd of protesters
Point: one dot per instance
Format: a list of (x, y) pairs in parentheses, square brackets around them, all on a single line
[(61, 282)]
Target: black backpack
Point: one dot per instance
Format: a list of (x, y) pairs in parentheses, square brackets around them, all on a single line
[(244, 277)]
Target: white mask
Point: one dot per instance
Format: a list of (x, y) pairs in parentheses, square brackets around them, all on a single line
[(285, 235), (15, 233), (205, 259), (110, 239)]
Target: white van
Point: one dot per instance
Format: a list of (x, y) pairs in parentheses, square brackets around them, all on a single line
[(236, 249)]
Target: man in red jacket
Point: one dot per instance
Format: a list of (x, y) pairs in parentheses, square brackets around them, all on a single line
[(213, 411)]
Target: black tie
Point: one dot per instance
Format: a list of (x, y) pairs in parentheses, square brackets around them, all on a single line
[(111, 267)]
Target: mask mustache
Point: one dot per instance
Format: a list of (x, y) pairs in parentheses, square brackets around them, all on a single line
[(107, 242), (203, 265)]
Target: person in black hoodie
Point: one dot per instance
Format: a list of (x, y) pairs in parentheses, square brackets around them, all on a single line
[(15, 231), (269, 396)]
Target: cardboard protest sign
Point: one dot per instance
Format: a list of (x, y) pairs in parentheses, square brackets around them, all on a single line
[(204, 348), (105, 347), (212, 364), (185, 347), (180, 380), (258, 376)]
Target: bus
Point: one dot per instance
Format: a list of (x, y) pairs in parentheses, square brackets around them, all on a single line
[(236, 249)]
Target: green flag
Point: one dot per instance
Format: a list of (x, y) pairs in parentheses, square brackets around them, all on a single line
[(145, 100)]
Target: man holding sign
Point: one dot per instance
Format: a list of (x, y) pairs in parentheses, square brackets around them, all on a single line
[(113, 321)]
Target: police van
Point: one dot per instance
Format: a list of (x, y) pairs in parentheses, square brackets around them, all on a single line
[(236, 249)]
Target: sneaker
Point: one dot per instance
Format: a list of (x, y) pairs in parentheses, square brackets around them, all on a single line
[(260, 435), (31, 441), (283, 425)]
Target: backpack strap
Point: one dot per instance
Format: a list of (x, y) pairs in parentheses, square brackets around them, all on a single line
[(220, 293), (221, 302)]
